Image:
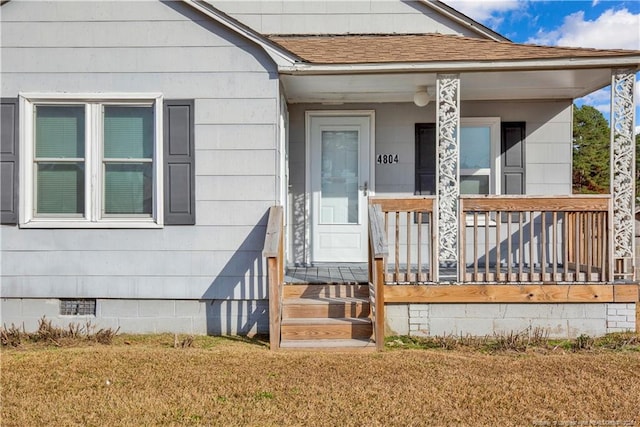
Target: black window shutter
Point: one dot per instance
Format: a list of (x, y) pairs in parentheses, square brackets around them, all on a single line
[(179, 163), (9, 161), (513, 158), (425, 172)]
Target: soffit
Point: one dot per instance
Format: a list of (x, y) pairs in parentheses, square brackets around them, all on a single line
[(400, 87)]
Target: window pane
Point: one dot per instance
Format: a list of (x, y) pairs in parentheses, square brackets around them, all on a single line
[(476, 184), (128, 188), (475, 147), (128, 132), (339, 190), (60, 188), (59, 131)]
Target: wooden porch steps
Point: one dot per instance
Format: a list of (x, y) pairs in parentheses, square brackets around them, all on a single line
[(326, 316), (326, 290), (323, 344), (323, 307)]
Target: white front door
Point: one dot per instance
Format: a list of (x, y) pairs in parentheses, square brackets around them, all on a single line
[(339, 178)]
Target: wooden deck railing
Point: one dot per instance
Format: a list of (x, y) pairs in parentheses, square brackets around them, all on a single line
[(377, 254), (410, 226), (535, 239), (274, 253)]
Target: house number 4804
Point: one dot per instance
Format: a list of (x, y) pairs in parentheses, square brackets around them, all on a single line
[(387, 159)]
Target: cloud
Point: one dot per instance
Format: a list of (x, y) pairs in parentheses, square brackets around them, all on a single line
[(614, 29), (600, 100), (486, 11)]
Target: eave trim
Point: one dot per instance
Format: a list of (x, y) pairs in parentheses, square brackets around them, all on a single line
[(461, 66)]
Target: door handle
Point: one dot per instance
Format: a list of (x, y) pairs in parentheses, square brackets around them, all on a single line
[(365, 189)]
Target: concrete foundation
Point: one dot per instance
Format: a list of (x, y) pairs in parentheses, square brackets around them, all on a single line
[(212, 317), (559, 320), (248, 317)]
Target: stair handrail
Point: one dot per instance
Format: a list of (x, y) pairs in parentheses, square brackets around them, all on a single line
[(378, 251), (273, 251)]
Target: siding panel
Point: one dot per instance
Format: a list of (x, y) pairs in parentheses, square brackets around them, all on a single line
[(181, 33), (235, 111), (132, 263), (246, 287), (166, 47), (99, 11), (238, 212), (128, 60), (236, 188), (340, 17), (199, 86), (216, 237), (236, 162), (228, 137)]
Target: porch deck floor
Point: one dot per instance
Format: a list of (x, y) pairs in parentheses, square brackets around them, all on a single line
[(328, 273)]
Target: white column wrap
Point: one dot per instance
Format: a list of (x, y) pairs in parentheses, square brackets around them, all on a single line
[(447, 126), (623, 170)]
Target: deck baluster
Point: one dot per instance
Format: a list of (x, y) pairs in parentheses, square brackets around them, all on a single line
[(410, 265), (419, 277), (574, 226)]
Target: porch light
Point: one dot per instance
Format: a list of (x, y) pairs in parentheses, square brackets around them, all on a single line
[(421, 97)]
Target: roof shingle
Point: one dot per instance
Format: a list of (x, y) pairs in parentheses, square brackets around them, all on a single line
[(375, 48)]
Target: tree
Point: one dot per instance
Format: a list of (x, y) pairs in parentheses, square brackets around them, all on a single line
[(591, 136)]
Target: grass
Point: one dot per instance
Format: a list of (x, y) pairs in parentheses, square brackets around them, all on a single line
[(149, 380), (529, 340)]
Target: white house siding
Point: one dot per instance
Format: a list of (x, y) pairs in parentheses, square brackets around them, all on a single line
[(548, 148), (204, 278), (340, 17)]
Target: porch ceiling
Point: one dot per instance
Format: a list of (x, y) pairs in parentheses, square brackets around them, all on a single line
[(485, 85)]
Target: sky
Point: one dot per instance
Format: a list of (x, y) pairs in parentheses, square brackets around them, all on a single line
[(603, 24)]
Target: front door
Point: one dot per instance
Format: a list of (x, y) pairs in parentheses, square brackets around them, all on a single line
[(339, 178)]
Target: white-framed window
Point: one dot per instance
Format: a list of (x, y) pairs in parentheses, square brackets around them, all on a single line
[(91, 160), (479, 159), (480, 155)]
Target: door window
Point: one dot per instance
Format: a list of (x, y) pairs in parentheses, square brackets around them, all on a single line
[(339, 177)]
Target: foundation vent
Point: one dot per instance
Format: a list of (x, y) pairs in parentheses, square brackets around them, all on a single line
[(78, 307)]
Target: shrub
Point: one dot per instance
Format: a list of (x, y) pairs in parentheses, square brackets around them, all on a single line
[(48, 333)]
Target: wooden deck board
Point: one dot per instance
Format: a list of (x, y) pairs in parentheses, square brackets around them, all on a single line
[(328, 273), (347, 274), (532, 293)]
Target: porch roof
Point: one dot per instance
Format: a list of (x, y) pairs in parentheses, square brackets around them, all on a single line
[(421, 48), (390, 68)]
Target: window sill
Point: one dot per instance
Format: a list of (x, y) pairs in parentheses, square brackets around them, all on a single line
[(77, 316), (57, 223)]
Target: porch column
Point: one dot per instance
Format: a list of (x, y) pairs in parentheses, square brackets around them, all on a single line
[(447, 126), (623, 171)]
